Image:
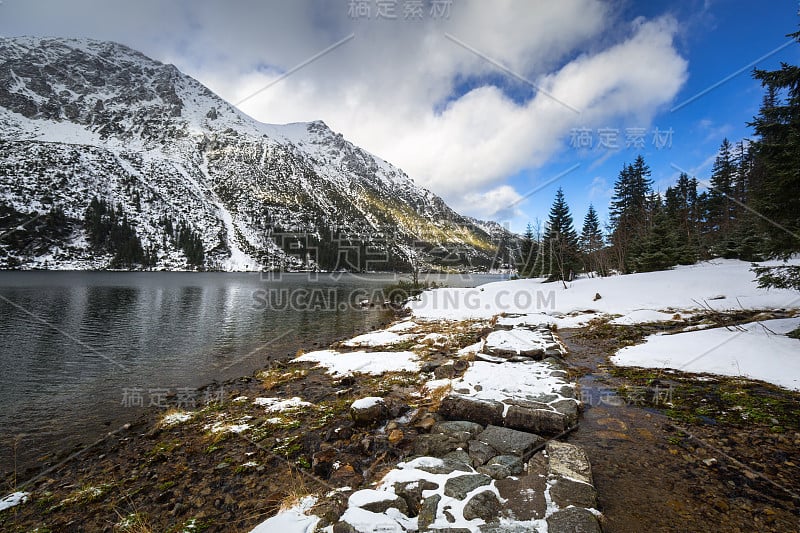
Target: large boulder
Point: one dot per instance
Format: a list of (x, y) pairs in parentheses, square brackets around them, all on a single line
[(483, 505), (568, 461), (573, 520), (542, 421), (458, 487)]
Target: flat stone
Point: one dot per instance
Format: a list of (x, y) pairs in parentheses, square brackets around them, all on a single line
[(524, 497), (530, 404), (428, 510), (458, 487), (544, 398), (459, 455), (483, 505), (555, 362), (458, 428), (483, 412), (565, 492), (438, 444), (494, 471), (512, 462), (510, 441), (568, 460), (480, 452), (573, 520), (489, 358), (519, 359), (567, 391), (541, 421), (447, 466)]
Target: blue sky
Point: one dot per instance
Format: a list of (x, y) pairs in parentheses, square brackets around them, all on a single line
[(454, 100), (718, 40)]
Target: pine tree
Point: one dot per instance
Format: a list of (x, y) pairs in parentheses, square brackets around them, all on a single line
[(683, 210), (776, 195), (560, 242), (721, 206), (657, 249), (527, 253), (591, 242), (629, 210)]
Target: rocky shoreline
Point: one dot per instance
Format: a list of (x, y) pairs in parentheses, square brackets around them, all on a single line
[(468, 425)]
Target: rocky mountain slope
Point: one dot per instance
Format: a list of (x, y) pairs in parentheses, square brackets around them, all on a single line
[(187, 181)]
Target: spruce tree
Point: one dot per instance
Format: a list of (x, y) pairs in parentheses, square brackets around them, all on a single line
[(629, 210), (776, 196), (591, 242), (560, 242)]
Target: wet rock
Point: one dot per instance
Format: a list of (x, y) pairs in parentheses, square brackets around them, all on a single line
[(510, 441), (565, 492), (568, 408), (369, 411), (483, 412), (573, 520), (411, 492), (427, 511), (480, 452), (542, 421), (524, 497), (569, 461), (458, 487), (483, 505)]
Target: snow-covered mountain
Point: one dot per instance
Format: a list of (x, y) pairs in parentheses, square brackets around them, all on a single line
[(84, 119)]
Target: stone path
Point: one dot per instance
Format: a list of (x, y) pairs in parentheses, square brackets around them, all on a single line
[(485, 464)]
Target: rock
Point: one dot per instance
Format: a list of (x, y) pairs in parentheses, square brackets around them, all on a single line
[(567, 391), (540, 421), (519, 359), (445, 371), (459, 455), (344, 527), (458, 487), (512, 462), (514, 342), (483, 412), (344, 473), (596, 297), (437, 444), (458, 428), (447, 466), (573, 520), (395, 436), (426, 423), (369, 411), (565, 492), (382, 505), (322, 462), (489, 358), (460, 366), (507, 528), (411, 492), (480, 452), (428, 510), (568, 408), (568, 460), (494, 471), (483, 505), (555, 362), (510, 441), (524, 497)]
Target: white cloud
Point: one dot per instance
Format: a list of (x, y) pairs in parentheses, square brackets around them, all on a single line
[(498, 204), (393, 88)]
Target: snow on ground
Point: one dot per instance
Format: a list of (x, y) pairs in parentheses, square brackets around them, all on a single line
[(516, 340), (274, 405), (759, 351), (377, 338), (721, 284), (376, 363), (405, 325), (532, 381), (292, 520), (175, 418), (13, 499), (647, 315)]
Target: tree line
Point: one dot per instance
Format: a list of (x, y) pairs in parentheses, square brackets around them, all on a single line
[(749, 209)]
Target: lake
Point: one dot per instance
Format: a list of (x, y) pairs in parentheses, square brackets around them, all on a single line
[(84, 352)]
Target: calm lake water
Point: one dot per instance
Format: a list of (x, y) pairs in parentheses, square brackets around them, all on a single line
[(80, 350)]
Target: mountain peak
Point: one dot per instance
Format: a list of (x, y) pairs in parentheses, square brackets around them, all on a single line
[(106, 121)]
